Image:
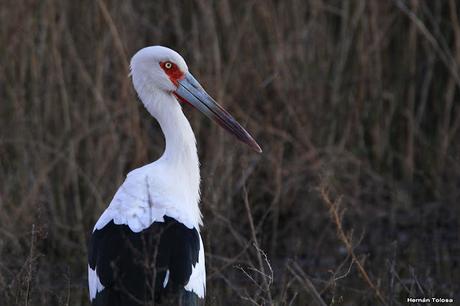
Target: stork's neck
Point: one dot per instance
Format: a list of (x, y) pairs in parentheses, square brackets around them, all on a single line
[(180, 140), (180, 158)]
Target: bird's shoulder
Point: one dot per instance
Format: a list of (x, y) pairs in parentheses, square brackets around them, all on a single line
[(147, 195), (135, 203)]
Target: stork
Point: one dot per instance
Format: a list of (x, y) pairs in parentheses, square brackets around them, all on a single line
[(146, 246)]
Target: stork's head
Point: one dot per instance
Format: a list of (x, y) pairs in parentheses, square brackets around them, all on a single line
[(160, 69)]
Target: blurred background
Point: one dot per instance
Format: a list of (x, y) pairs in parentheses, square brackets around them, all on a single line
[(355, 199)]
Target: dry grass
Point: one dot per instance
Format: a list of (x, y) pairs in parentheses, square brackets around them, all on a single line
[(350, 100)]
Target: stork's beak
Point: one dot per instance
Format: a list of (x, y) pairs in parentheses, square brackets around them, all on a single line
[(189, 90)]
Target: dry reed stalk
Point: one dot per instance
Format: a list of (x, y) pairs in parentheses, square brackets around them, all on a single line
[(336, 216)]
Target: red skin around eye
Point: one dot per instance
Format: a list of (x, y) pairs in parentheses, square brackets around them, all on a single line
[(174, 73)]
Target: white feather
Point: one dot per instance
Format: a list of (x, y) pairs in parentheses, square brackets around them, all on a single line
[(94, 283), (165, 281), (197, 281)]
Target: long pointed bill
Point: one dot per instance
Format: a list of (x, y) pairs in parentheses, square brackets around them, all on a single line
[(189, 90)]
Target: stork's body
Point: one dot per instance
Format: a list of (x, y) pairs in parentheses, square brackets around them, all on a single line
[(146, 246)]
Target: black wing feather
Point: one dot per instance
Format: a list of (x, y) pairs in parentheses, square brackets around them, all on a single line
[(132, 266)]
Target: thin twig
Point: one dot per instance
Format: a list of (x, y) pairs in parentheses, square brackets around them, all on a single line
[(266, 282), (308, 285), (337, 219), (30, 268)]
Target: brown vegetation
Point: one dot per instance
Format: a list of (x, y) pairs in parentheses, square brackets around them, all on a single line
[(355, 200)]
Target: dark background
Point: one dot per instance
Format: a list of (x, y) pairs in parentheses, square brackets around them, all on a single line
[(355, 200)]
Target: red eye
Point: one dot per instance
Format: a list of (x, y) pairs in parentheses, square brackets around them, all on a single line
[(173, 72)]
